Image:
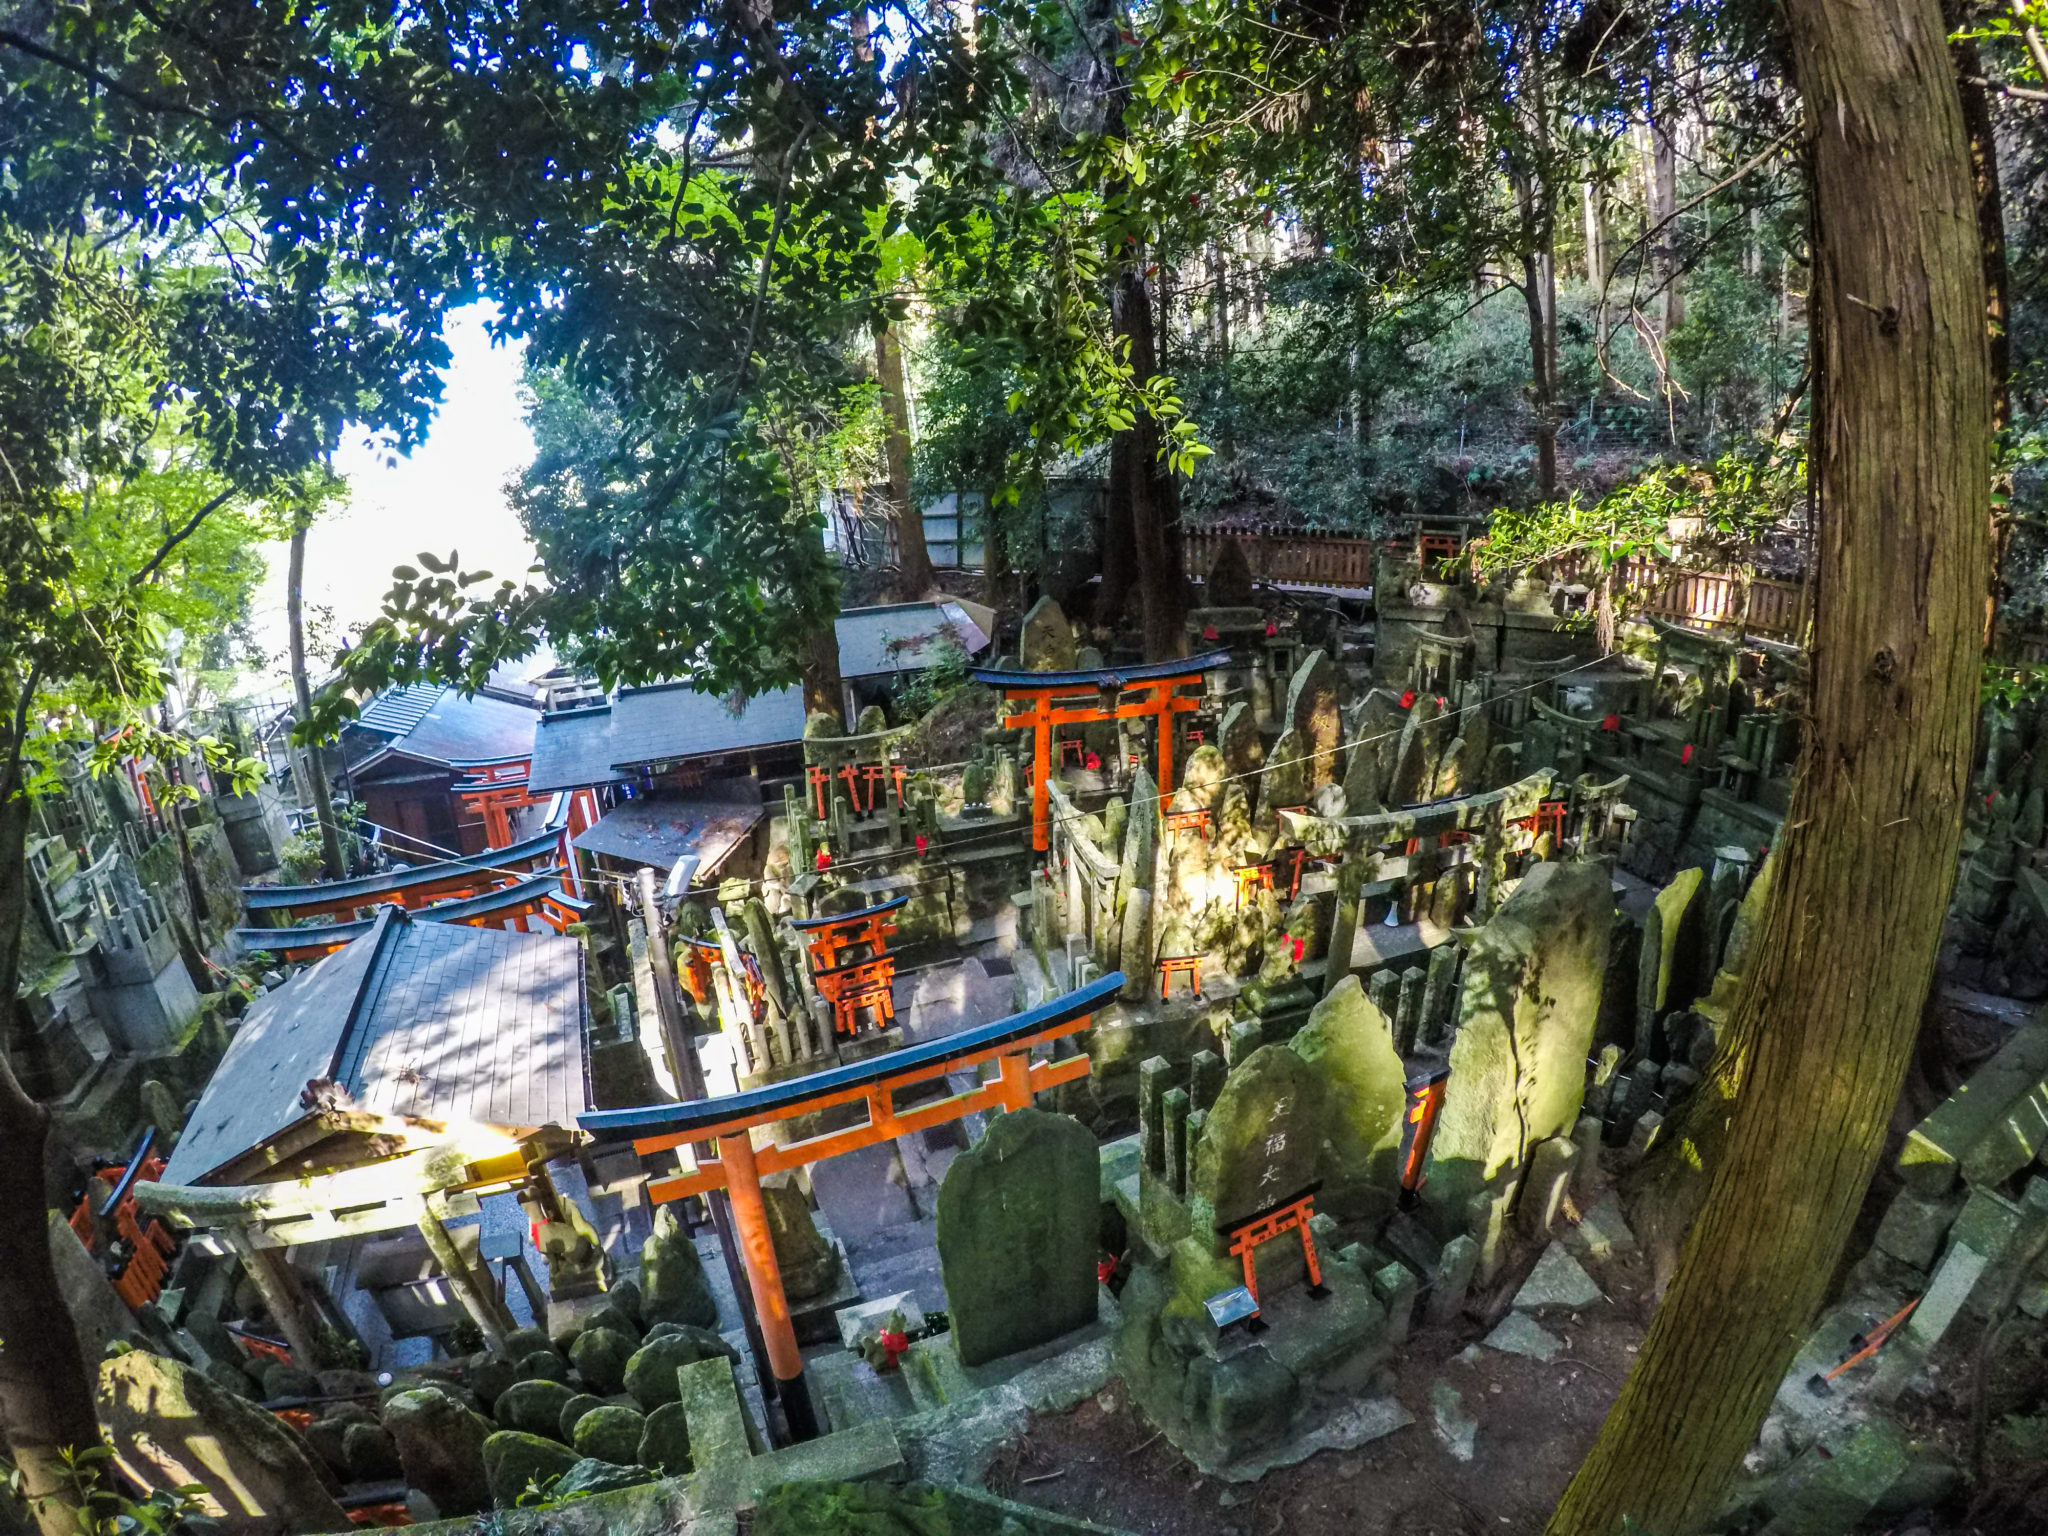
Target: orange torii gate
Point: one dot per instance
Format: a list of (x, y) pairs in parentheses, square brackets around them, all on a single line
[(493, 789), (738, 1168), (1055, 700)]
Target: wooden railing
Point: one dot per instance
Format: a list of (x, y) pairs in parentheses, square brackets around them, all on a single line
[(1756, 605), (1311, 559)]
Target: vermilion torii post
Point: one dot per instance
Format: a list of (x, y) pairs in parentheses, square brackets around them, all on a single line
[(1089, 696)]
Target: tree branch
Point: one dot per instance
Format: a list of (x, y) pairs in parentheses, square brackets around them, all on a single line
[(192, 526), (10, 776)]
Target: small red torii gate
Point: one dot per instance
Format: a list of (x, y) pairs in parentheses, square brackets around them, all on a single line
[(1054, 700), (739, 1165)]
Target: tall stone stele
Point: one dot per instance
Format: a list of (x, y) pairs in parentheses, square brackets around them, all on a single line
[(1526, 1012), (1047, 642), (1019, 1223)]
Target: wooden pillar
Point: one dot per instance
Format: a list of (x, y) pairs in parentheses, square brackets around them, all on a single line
[(764, 1281), (479, 1300), (1162, 697), (278, 1284), (1041, 771)]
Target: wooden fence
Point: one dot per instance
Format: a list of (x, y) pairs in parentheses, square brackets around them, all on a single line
[(1308, 559), (1755, 605)]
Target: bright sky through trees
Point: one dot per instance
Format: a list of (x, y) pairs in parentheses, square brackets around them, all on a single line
[(447, 495)]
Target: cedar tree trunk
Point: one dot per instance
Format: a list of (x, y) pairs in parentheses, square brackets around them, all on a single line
[(302, 691), (913, 560), (45, 1398), (1154, 498), (1845, 953)]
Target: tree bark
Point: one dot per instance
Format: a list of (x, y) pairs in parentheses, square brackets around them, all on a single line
[(1154, 498), (1539, 288), (913, 560), (820, 671), (1840, 971), (316, 768), (45, 1397), (1976, 102), (1663, 179)]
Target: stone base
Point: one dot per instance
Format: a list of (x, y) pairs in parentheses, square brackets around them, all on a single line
[(1236, 1401)]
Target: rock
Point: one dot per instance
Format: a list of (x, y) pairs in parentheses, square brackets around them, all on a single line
[(534, 1407), (1315, 716), (611, 1317), (1457, 1429), (1557, 1281), (572, 1414), (516, 1462), (672, 1284), (372, 1454), (1520, 1334), (441, 1446), (341, 1383), (665, 1441), (1454, 1274), (1252, 1398), (651, 1373), (1262, 1140), (1047, 641), (710, 1400), (1992, 1127), (1349, 1044), (1229, 582), (1244, 750), (328, 1438), (625, 1297), (1602, 1232), (282, 1380), (589, 1476), (809, 1264), (543, 1365), (1526, 1012), (521, 1342), (489, 1378), (611, 1433), (1019, 1217), (1914, 1226), (600, 1357), (170, 1426)]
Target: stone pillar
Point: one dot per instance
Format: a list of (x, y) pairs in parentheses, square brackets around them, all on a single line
[(479, 1300), (1409, 1026), (1439, 993), (296, 1316), (1174, 1115), (1205, 1079), (1153, 1074)]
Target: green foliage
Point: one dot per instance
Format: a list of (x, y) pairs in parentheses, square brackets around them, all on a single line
[(1698, 514), (98, 1506)]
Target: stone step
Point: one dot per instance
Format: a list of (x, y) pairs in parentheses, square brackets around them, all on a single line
[(934, 1374)]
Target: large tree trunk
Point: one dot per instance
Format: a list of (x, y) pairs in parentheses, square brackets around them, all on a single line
[(1539, 287), (45, 1399), (1991, 240), (1840, 971), (1663, 180), (913, 560), (1154, 498), (302, 690), (819, 668)]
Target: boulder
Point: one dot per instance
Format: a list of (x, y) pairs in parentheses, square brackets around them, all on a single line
[(171, 1427), (672, 1284), (625, 1298), (516, 1462), (589, 1476), (665, 1442), (490, 1376), (1018, 1227), (651, 1373), (611, 1433), (533, 1406), (441, 1447), (572, 1414), (521, 1342), (809, 1264), (1047, 641), (372, 1454), (282, 1380), (611, 1317), (328, 1438), (345, 1383), (600, 1356), (543, 1365)]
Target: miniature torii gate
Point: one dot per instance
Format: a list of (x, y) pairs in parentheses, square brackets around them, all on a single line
[(1055, 700), (493, 789), (739, 1166)]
